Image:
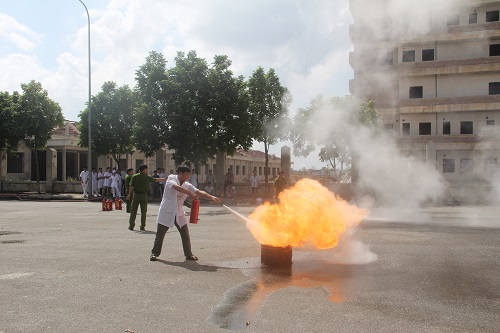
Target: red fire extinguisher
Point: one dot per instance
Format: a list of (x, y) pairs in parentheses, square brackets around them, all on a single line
[(104, 205), (110, 204), (116, 203), (195, 209), (120, 204)]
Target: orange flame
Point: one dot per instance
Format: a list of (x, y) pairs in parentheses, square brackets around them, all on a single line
[(308, 213)]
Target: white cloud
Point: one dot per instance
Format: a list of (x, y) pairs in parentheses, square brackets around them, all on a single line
[(21, 36)]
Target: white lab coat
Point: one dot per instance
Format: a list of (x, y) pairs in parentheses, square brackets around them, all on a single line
[(172, 201)]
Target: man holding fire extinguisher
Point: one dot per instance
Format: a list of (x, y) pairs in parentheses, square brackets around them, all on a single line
[(177, 189)]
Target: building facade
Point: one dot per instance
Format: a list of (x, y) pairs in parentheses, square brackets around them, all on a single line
[(63, 160), (436, 86)]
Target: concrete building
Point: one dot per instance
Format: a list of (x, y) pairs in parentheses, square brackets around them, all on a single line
[(436, 86), (62, 161)]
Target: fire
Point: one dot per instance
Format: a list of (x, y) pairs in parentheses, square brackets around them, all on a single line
[(308, 213)]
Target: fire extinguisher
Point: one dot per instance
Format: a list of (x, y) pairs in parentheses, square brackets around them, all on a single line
[(116, 203), (120, 204), (110, 204), (195, 209), (104, 205)]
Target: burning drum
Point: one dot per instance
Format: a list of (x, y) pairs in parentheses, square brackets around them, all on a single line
[(273, 256)]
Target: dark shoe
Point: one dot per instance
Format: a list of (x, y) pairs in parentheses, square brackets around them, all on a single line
[(192, 258), (153, 258), (142, 228), (130, 228)]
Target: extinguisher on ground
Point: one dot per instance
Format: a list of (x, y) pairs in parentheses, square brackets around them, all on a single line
[(104, 205), (195, 209), (109, 204), (120, 202)]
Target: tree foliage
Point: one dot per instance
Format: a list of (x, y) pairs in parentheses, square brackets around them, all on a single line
[(268, 105), (111, 120), (193, 108), (40, 115), (11, 132), (342, 116)]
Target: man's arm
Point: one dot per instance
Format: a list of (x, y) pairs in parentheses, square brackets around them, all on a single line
[(183, 190), (208, 196)]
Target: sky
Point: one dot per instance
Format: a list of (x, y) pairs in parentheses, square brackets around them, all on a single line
[(305, 41)]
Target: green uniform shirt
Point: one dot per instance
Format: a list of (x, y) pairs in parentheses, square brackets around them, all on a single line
[(141, 182), (128, 178), (279, 184)]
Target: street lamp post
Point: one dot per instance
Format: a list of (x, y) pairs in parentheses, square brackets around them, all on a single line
[(89, 158)]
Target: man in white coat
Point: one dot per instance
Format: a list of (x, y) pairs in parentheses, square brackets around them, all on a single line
[(177, 189), (84, 179)]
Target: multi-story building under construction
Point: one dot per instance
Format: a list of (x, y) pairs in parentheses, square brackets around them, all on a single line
[(435, 81)]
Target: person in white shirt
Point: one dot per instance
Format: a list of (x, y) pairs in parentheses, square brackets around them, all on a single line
[(209, 188), (115, 189), (177, 190), (107, 182), (254, 184), (94, 183), (193, 179), (84, 178), (161, 174), (100, 181)]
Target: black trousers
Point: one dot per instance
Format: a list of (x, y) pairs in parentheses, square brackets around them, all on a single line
[(160, 235)]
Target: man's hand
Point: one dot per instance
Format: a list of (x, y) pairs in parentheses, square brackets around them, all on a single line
[(216, 200)]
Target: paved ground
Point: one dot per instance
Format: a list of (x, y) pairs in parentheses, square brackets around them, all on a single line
[(69, 267)]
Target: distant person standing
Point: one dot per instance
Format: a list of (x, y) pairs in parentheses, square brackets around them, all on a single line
[(254, 184), (128, 178), (139, 187), (211, 179), (84, 179), (209, 188), (95, 181), (193, 179), (161, 173), (279, 185), (171, 214), (100, 181), (228, 180), (115, 185), (155, 187), (107, 182)]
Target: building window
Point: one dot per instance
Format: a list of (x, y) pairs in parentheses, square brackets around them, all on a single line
[(417, 92), (494, 88), (274, 172), (428, 55), (492, 16), (490, 165), (15, 163), (466, 165), (453, 20), (424, 129), (406, 128), (490, 122), (448, 165), (409, 56), (237, 170), (494, 50), (260, 171), (446, 128), (472, 18), (243, 170), (138, 163), (466, 127)]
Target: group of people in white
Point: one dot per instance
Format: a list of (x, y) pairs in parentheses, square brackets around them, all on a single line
[(111, 183), (104, 184)]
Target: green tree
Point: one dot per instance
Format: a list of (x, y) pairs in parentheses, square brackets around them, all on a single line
[(11, 132), (151, 124), (111, 120), (40, 115), (334, 143), (268, 104), (195, 109)]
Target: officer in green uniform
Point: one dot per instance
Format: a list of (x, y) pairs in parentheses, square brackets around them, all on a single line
[(128, 178), (279, 185), (138, 192)]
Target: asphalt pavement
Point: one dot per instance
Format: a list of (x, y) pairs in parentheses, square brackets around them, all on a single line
[(70, 267)]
